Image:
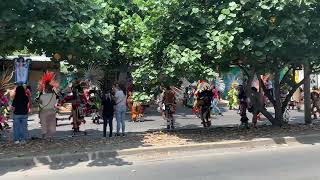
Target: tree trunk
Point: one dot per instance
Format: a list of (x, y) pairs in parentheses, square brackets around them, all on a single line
[(307, 95), (278, 101)]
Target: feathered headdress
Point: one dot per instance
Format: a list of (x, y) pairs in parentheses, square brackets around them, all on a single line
[(203, 86), (48, 78), (94, 74), (5, 81)]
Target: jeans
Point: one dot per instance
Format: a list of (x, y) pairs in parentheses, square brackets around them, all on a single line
[(120, 114), (20, 127), (215, 107), (107, 120)]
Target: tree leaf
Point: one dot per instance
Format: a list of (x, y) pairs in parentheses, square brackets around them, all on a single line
[(221, 17), (247, 42)]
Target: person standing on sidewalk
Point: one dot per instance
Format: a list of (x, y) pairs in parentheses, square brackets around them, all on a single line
[(107, 113), (47, 113), (120, 98), (243, 107), (169, 101), (257, 105), (20, 116), (215, 101)]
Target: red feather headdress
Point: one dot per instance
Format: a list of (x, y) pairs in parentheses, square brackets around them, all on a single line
[(48, 78)]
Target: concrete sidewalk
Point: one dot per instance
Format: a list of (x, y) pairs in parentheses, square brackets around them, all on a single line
[(153, 121)]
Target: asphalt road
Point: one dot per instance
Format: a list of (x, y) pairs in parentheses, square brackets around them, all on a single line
[(281, 163), (184, 119)]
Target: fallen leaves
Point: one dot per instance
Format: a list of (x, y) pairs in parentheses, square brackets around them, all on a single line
[(158, 139), (163, 139)]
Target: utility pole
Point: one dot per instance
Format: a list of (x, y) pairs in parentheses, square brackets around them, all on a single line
[(307, 94)]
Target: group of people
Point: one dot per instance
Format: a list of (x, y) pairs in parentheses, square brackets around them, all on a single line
[(21, 107), (254, 105), (190, 97), (206, 98), (113, 104)]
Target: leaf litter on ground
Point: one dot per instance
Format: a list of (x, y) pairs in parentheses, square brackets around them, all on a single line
[(151, 139)]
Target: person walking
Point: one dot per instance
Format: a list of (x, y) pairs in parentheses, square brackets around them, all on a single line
[(215, 101), (20, 116), (47, 103), (108, 104), (233, 97), (120, 98), (169, 101)]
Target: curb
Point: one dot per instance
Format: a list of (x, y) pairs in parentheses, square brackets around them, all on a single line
[(101, 155)]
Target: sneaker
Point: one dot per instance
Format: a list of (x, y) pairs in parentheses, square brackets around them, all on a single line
[(23, 142), (117, 134), (123, 135), (17, 142)]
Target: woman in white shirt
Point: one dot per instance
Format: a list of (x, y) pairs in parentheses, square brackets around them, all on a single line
[(121, 107), (48, 102)]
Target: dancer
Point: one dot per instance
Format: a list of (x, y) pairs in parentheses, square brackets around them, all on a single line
[(47, 103), (233, 97), (77, 114), (5, 85), (257, 105), (243, 107), (169, 102)]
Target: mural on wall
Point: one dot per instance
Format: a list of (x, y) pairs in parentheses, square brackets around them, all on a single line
[(234, 75), (21, 70)]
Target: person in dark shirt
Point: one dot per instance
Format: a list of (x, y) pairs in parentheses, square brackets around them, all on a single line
[(20, 115), (205, 97), (242, 98), (108, 104)]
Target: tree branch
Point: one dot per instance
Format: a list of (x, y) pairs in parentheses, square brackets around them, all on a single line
[(292, 91), (244, 70), (268, 115)]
